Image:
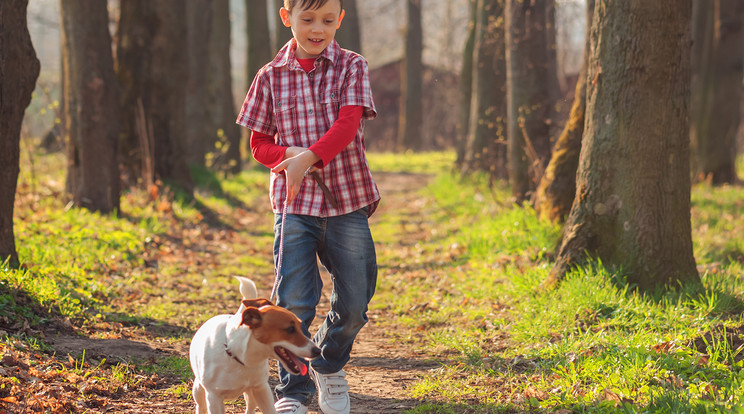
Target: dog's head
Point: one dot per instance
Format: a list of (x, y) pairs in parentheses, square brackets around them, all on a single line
[(280, 330)]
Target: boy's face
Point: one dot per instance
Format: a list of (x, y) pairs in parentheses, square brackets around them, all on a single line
[(313, 29)]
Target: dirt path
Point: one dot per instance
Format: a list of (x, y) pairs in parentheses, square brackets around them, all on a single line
[(379, 372)]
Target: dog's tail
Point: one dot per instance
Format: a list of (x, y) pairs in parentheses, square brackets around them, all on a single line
[(247, 288)]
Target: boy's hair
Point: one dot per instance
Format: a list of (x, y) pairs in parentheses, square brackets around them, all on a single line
[(307, 4)]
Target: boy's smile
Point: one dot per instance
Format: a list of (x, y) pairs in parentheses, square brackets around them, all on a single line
[(313, 29)]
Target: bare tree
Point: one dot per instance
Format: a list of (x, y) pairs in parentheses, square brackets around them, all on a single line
[(717, 62), (486, 139), (152, 67), (198, 139), (466, 86), (531, 90), (258, 37), (348, 36), (411, 114), (555, 193), (282, 34), (632, 208), (91, 106), (221, 108), (19, 69)]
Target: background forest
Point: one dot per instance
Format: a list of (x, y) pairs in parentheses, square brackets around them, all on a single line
[(562, 225)]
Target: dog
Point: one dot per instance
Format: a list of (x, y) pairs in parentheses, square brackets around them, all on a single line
[(230, 354)]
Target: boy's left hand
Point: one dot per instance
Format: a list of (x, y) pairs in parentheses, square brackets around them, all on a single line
[(294, 170)]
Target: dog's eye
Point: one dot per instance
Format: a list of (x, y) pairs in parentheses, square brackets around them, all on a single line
[(291, 330)]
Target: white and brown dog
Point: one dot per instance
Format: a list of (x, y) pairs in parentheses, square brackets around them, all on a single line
[(230, 353)]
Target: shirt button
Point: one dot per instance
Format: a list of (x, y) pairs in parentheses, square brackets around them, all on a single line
[(310, 112), (311, 74)]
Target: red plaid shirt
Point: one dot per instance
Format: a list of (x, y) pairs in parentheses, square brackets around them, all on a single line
[(298, 108)]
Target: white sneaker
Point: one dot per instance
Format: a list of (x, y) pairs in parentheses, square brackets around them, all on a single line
[(333, 392), (289, 406)]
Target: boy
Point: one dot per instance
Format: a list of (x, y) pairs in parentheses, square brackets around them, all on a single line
[(306, 110)]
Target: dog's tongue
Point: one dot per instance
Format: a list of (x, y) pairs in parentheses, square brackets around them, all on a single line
[(293, 359), (298, 363)]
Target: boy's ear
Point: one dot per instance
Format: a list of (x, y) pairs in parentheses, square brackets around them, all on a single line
[(284, 14), (340, 17)]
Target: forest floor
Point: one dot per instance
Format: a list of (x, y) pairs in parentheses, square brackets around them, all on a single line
[(379, 372)]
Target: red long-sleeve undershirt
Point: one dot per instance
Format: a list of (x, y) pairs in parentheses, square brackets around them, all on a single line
[(341, 133)]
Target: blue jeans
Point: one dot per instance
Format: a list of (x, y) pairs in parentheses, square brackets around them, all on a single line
[(344, 246)]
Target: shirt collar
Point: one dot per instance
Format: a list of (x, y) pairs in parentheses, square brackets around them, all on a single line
[(286, 55)]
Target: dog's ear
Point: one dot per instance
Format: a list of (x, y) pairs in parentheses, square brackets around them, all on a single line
[(251, 318), (256, 303)]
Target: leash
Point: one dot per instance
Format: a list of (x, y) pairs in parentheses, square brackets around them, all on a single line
[(328, 196)]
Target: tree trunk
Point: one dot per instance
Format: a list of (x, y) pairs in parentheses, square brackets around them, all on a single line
[(348, 36), (133, 63), (717, 62), (199, 139), (282, 34), (19, 69), (54, 138), (168, 95), (557, 188), (411, 114), (486, 142), (152, 67), (221, 108), (466, 86), (258, 37), (633, 212), (91, 106), (530, 92)]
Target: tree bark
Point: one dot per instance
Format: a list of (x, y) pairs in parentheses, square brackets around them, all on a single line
[(349, 36), (19, 69), (466, 86), (221, 108), (91, 106), (717, 62), (152, 67), (632, 208), (282, 34), (486, 140), (557, 188), (133, 65), (258, 37), (411, 115), (530, 92), (199, 139)]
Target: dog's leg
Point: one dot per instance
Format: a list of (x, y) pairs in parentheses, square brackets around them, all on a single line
[(215, 405), (264, 398), (250, 402), (199, 397)]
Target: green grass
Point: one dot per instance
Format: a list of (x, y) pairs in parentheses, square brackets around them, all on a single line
[(591, 345), (459, 280)]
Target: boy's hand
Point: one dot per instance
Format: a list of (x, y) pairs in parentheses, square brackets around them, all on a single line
[(294, 169)]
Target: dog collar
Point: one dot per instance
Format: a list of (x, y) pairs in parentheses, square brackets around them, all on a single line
[(227, 350)]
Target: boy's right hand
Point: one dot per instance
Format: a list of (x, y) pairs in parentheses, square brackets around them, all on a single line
[(294, 167)]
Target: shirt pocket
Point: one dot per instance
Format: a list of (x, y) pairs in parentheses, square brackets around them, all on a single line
[(286, 116), (330, 101)]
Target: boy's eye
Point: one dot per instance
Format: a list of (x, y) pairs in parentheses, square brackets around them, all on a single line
[(329, 21), (306, 20)]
